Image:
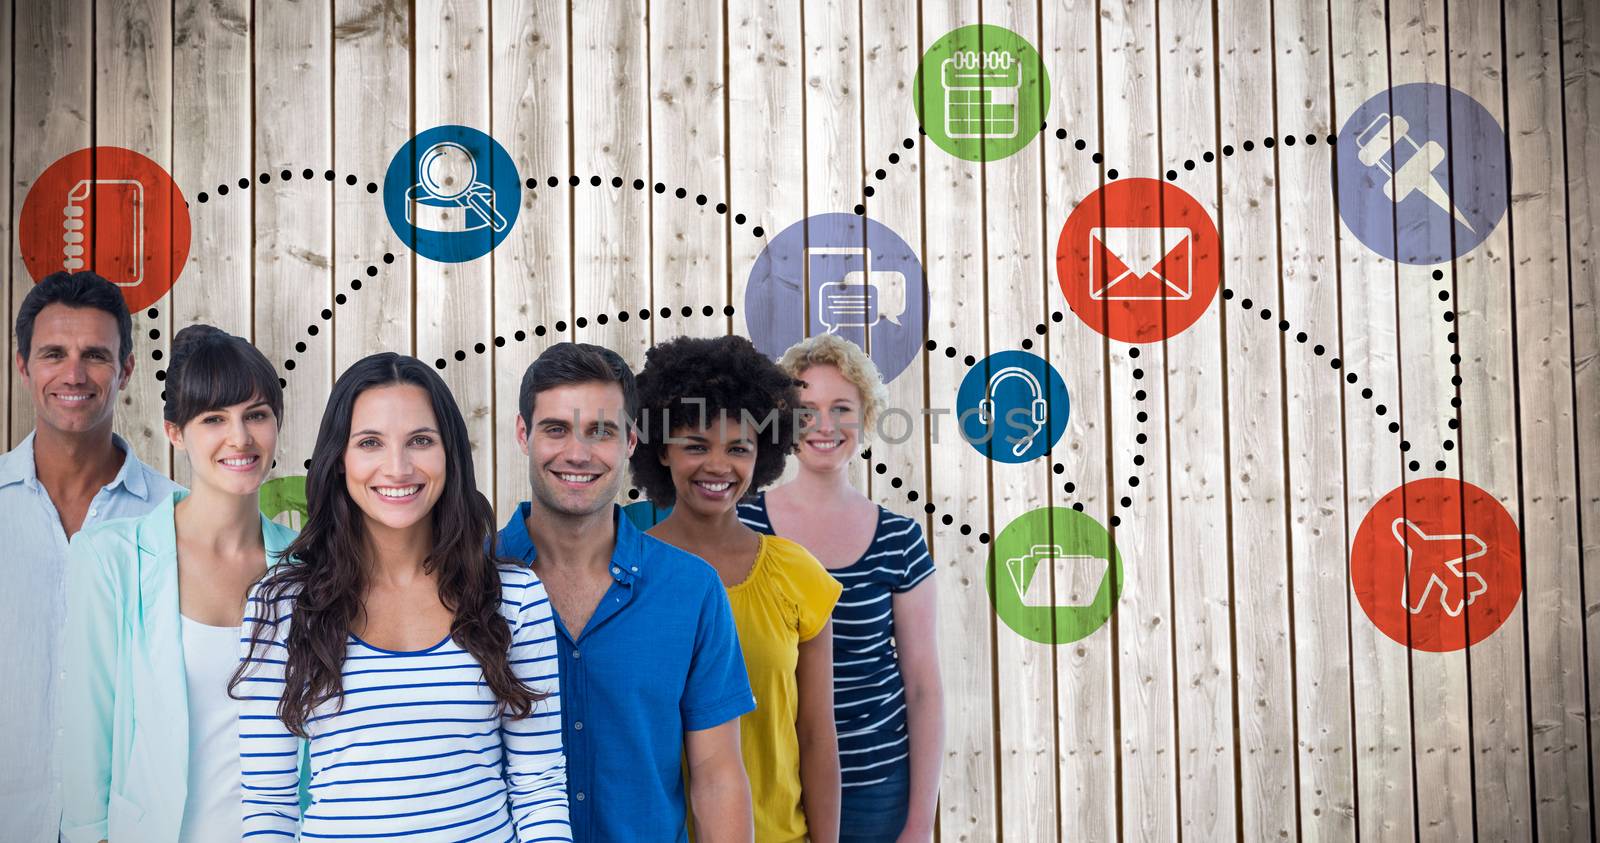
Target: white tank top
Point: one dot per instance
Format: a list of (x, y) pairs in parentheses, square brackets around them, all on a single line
[(212, 810)]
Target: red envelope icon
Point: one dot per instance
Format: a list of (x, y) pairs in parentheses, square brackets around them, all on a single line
[(1140, 263)]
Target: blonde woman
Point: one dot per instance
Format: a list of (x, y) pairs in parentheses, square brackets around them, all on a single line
[(888, 703)]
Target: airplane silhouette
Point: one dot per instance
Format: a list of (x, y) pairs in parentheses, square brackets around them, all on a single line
[(1440, 552)]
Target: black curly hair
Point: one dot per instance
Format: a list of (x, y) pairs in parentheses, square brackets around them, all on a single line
[(732, 378)]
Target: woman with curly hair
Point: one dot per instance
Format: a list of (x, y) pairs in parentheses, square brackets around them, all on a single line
[(422, 672), (716, 422), (888, 702)]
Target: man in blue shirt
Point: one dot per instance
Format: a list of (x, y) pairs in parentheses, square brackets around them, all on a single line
[(74, 355), (651, 671)]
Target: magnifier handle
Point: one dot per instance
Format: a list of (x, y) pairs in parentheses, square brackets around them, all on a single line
[(486, 209)]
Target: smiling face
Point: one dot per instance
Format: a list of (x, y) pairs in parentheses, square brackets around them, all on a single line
[(832, 430), (229, 448), (72, 370), (711, 466), (394, 461), (576, 442)]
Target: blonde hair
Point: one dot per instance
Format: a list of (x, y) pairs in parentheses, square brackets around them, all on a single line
[(850, 360)]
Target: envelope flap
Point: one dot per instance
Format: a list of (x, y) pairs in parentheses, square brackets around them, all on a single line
[(1140, 248)]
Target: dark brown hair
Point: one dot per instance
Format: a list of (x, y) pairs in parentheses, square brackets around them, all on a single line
[(75, 289), (576, 362), (212, 369), (324, 571)]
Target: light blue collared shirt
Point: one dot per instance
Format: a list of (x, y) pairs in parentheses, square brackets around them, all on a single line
[(33, 605)]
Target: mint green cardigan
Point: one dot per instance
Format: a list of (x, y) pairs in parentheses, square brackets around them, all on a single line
[(123, 748)]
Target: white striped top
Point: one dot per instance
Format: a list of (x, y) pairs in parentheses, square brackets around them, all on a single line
[(417, 750), (869, 701)]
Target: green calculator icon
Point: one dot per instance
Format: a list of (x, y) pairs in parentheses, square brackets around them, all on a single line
[(981, 94)]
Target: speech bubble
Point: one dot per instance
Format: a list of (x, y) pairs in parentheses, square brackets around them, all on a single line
[(843, 304), (891, 289)]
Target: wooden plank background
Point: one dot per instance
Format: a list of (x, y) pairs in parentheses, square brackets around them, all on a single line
[(1239, 692)]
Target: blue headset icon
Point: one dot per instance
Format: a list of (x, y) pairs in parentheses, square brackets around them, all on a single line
[(1039, 412)]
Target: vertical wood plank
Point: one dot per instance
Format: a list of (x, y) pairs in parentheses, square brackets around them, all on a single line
[(831, 45), (453, 84), (372, 101), (891, 51), (294, 282), (1385, 776), (766, 156), (532, 267), (1581, 59), (1087, 686), (689, 254), (133, 109), (1141, 525), (211, 140), (1538, 217), (1212, 462), (1308, 228), (766, 131), (952, 264), (1013, 276), (1440, 716), (889, 55), (1486, 433), (611, 247)]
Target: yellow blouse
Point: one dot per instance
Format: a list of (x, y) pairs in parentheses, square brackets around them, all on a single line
[(787, 598)]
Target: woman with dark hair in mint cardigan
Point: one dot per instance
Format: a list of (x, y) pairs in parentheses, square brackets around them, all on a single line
[(150, 748)]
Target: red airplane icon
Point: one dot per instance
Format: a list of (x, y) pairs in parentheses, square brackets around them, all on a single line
[(1438, 555)]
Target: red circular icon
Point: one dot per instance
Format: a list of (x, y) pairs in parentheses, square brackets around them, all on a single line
[(110, 210), (1137, 260), (1437, 564)]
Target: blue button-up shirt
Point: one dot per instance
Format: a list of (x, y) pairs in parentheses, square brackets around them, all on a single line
[(659, 657), (33, 604)]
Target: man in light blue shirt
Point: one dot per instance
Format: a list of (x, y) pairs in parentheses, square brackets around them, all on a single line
[(75, 354)]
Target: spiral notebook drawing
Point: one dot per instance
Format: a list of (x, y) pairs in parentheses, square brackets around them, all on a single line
[(981, 94), (115, 232)]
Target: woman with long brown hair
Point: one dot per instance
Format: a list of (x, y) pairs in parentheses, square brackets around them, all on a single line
[(422, 672)]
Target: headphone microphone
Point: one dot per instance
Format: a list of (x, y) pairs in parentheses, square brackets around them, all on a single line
[(1039, 410)]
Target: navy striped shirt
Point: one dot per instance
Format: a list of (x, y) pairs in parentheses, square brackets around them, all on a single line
[(417, 749), (869, 704)]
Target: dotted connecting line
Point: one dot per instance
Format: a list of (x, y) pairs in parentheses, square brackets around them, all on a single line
[(1141, 416), (1228, 150), (660, 188), (1351, 378), (311, 330), (1268, 142), (621, 316), (307, 174), (286, 175)]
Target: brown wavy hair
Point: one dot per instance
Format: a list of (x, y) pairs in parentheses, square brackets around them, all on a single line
[(325, 569)]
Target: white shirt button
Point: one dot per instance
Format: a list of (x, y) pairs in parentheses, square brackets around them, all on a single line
[(580, 796), (634, 569), (576, 654), (578, 726)]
